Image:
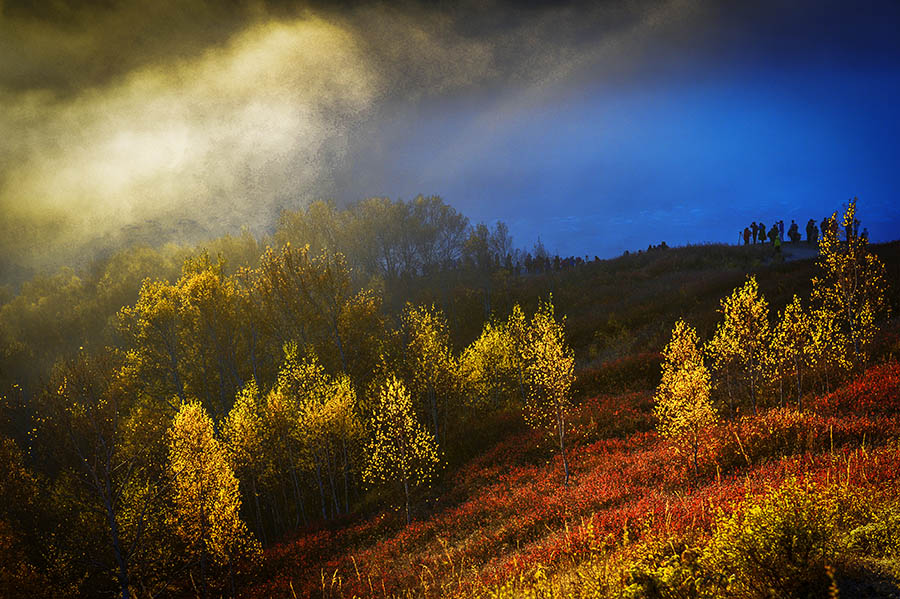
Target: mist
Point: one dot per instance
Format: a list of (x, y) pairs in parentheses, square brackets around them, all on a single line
[(183, 121)]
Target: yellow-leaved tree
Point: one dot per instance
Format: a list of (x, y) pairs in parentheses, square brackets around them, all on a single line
[(828, 346), (683, 405), (740, 345), (851, 286), (244, 436), (549, 374), (430, 364), (206, 500), (792, 347), (401, 450), (489, 368)]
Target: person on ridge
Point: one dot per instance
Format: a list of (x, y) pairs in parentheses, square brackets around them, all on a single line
[(762, 232), (794, 232), (781, 231), (755, 230), (746, 235)]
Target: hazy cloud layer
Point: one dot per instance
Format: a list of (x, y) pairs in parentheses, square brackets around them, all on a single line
[(133, 121), (170, 119)]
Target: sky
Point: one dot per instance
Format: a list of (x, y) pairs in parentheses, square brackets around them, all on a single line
[(598, 126)]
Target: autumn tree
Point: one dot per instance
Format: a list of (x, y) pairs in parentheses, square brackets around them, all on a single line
[(792, 347), (741, 342), (326, 425), (430, 364), (206, 499), (300, 297), (363, 326), (549, 374), (19, 544), (683, 407), (89, 414), (214, 332), (155, 330), (489, 367), (244, 438), (401, 450), (827, 347), (851, 285), (331, 430), (186, 338)]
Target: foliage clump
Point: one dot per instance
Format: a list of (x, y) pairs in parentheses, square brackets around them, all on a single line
[(549, 372), (851, 286), (683, 407), (401, 450)]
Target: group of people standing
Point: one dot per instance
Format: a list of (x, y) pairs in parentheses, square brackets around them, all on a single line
[(757, 232)]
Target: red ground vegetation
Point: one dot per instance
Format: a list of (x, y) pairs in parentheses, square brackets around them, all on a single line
[(507, 512)]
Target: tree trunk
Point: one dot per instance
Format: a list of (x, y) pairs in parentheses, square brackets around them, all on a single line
[(346, 476), (259, 521), (321, 487), (561, 425), (406, 492)]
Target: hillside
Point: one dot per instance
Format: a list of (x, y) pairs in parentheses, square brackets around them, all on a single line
[(633, 521), (813, 490), (233, 421)]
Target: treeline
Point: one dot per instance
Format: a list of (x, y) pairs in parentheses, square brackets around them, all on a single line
[(422, 250), (756, 359), (226, 406)]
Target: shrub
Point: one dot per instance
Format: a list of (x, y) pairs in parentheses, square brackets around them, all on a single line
[(880, 536), (669, 571), (778, 546)]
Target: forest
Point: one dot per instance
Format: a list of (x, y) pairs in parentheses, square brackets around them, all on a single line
[(385, 400)]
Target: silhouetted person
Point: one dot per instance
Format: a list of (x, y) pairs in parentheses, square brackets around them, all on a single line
[(810, 225), (781, 230), (865, 234), (773, 235), (794, 232), (755, 229), (762, 233), (746, 235)]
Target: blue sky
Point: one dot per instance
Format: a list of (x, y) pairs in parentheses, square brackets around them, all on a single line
[(690, 146)]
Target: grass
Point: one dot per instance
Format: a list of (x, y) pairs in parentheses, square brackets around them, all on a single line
[(507, 527)]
